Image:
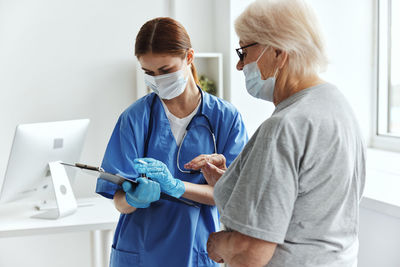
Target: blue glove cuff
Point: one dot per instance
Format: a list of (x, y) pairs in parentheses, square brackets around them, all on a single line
[(178, 190), (135, 203), (140, 197)]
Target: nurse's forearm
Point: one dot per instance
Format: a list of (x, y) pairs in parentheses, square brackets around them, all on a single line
[(120, 203), (202, 193)]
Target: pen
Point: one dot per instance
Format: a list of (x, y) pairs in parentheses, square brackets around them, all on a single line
[(145, 163)]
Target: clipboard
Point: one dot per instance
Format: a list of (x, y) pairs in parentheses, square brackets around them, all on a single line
[(118, 180)]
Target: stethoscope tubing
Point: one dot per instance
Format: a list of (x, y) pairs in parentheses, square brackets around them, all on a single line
[(199, 114)]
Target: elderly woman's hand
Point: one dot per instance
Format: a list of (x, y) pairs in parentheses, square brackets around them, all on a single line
[(213, 244), (212, 166), (236, 249)]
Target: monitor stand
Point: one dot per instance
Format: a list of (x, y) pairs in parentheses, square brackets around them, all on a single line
[(65, 198)]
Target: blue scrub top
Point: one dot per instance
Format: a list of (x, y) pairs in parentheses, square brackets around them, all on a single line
[(168, 233)]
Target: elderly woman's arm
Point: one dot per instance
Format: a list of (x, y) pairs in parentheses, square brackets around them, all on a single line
[(238, 250)]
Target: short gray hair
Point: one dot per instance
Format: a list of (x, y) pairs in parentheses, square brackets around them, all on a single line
[(289, 25)]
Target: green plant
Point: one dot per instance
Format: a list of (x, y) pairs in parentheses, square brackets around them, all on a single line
[(207, 85)]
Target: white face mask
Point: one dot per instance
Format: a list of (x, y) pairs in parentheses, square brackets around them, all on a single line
[(167, 86), (257, 87)]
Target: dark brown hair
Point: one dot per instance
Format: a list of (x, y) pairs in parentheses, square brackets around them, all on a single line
[(164, 36)]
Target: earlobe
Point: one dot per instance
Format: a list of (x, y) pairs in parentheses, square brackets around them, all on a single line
[(190, 56)]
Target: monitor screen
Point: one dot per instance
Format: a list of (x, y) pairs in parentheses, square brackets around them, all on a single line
[(34, 147)]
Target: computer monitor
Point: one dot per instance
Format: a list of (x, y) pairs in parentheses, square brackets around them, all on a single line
[(34, 163)]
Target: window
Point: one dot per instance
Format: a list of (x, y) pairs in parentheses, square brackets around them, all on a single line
[(394, 66), (388, 104)]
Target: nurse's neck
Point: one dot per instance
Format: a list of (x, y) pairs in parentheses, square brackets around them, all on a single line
[(184, 104)]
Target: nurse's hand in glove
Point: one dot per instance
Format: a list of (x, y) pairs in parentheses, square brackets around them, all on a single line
[(158, 171), (213, 166), (145, 192)]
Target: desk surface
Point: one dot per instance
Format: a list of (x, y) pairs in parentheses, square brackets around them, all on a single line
[(15, 219)]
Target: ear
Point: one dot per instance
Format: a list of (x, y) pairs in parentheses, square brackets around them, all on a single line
[(190, 56), (281, 57)]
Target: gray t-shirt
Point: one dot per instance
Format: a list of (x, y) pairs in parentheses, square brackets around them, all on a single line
[(299, 181)]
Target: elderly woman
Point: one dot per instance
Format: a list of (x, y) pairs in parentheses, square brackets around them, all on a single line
[(291, 198)]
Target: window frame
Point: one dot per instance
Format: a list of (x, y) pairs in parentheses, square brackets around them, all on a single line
[(381, 138)]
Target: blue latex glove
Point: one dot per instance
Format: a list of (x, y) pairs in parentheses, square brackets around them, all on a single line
[(159, 172), (145, 192)]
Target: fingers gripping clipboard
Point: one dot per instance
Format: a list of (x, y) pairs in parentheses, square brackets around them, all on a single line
[(118, 179)]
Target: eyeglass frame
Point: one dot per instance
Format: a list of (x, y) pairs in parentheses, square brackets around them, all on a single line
[(240, 54)]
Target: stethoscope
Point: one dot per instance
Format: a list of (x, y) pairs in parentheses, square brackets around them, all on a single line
[(198, 115)]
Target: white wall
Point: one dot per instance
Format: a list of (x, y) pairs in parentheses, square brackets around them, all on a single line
[(254, 111), (379, 239), (349, 33), (74, 59), (66, 60), (198, 19)]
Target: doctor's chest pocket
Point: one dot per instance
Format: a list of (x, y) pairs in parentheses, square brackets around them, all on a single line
[(120, 258)]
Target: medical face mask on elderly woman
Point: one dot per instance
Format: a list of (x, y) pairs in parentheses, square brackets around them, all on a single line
[(257, 87), (169, 85)]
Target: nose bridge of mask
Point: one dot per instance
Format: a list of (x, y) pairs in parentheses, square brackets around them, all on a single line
[(167, 79), (170, 77)]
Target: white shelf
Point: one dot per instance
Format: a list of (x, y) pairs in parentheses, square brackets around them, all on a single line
[(210, 65)]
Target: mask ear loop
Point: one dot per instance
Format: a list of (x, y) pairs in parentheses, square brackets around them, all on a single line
[(187, 67), (277, 70), (262, 53), (276, 73)]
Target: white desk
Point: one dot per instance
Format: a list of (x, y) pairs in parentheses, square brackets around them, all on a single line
[(100, 218)]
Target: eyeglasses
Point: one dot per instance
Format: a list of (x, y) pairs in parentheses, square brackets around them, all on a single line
[(239, 50)]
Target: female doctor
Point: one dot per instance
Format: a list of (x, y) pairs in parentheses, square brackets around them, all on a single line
[(171, 126)]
